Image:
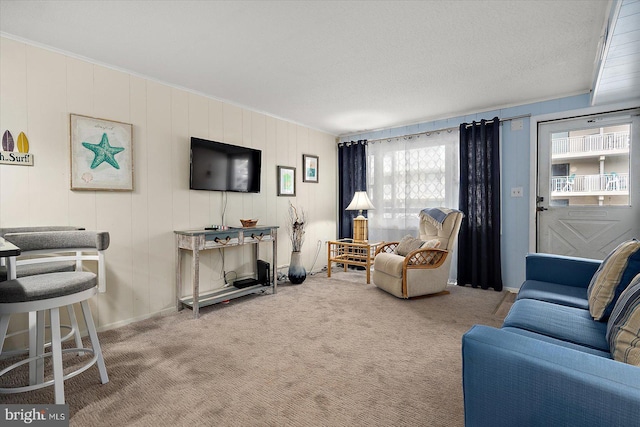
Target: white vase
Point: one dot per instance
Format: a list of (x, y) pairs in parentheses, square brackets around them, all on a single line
[(297, 273)]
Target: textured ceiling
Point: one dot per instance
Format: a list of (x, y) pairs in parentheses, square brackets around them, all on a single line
[(340, 67)]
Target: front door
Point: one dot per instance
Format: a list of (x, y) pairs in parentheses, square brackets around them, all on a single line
[(588, 183)]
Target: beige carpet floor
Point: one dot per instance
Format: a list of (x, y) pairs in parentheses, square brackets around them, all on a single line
[(329, 352)]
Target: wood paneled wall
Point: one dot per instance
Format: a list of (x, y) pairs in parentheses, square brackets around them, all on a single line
[(40, 88)]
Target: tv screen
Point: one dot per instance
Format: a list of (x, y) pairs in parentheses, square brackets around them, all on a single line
[(224, 167)]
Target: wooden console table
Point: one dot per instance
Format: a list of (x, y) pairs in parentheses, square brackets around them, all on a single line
[(198, 240), (351, 252)]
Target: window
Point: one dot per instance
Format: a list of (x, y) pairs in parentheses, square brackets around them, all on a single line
[(597, 166), (408, 174)]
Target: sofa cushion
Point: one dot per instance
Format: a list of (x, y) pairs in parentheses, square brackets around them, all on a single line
[(561, 269), (556, 341), (570, 296), (623, 329), (408, 244), (558, 321), (514, 380), (612, 277)]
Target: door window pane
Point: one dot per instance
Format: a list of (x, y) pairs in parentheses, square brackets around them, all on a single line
[(591, 166)]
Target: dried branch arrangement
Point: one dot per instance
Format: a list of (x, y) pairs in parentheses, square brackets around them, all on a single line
[(295, 227)]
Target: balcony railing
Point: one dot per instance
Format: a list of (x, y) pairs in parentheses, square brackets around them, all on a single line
[(598, 184), (590, 143)]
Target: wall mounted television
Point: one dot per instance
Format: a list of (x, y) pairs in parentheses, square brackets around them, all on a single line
[(217, 166)]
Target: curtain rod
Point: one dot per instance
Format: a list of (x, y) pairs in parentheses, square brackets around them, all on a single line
[(505, 119), (449, 129)]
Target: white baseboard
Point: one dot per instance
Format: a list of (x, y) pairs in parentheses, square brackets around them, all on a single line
[(116, 325)]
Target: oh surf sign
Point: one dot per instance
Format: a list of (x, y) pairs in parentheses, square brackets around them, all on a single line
[(9, 155)]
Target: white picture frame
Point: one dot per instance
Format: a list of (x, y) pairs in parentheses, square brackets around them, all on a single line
[(101, 154)]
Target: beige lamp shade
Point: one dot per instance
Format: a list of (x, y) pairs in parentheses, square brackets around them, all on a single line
[(359, 203)]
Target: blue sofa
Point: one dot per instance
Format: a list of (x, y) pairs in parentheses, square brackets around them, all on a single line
[(549, 364)]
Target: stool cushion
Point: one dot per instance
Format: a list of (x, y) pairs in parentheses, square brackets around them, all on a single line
[(45, 286)]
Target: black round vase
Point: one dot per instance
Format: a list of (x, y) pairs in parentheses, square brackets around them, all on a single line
[(297, 273)]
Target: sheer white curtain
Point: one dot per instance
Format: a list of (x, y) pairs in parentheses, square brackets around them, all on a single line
[(408, 174)]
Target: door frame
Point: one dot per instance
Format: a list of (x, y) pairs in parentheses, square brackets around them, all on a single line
[(533, 145)]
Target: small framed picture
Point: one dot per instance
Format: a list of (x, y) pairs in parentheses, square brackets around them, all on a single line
[(101, 154), (286, 181), (310, 163)]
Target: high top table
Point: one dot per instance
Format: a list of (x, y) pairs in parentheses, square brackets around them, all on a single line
[(9, 252), (227, 237)]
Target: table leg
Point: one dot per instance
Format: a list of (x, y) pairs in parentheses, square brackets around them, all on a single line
[(179, 305), (11, 268), (347, 253), (328, 259), (274, 258), (368, 267), (195, 272)]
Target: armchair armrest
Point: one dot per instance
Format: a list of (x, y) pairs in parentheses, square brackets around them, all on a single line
[(564, 270), (510, 379), (425, 258), (387, 248)]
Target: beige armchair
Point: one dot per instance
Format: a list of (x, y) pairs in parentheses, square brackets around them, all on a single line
[(424, 270)]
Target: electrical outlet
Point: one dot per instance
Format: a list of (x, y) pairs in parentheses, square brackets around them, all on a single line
[(516, 192)]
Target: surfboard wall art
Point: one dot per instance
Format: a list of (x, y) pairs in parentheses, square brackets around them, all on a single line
[(8, 155)]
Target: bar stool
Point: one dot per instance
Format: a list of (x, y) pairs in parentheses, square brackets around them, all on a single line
[(50, 291), (52, 249)]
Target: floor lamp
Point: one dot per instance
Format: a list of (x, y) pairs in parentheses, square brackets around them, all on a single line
[(359, 203)]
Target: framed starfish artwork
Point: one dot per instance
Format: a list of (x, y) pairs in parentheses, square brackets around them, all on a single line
[(101, 154)]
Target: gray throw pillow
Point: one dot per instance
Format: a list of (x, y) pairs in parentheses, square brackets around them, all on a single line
[(408, 244), (623, 329)]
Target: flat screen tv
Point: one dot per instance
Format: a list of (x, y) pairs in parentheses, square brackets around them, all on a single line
[(217, 166)]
